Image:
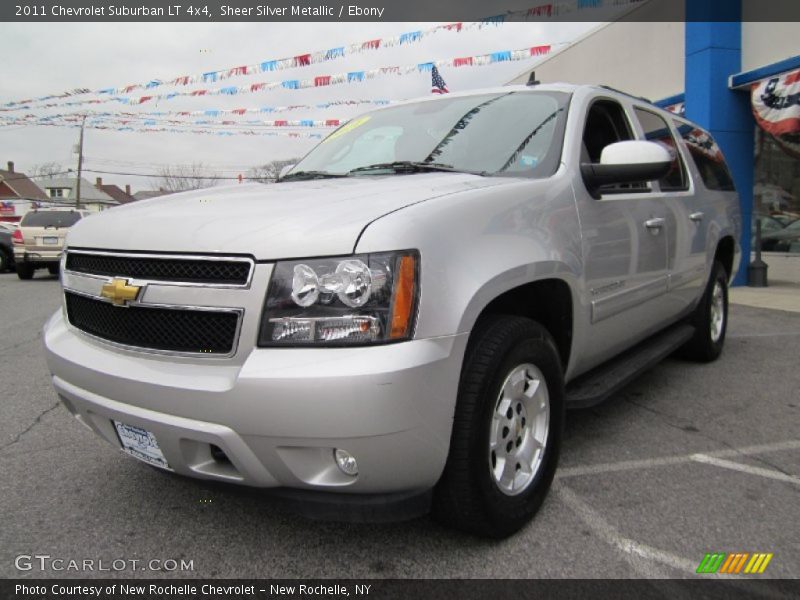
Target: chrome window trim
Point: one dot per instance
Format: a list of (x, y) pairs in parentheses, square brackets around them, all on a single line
[(242, 286), (144, 350)]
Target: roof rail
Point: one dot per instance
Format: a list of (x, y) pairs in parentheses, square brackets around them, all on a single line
[(611, 89)]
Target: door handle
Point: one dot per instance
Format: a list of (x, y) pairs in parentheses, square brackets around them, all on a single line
[(656, 223), (696, 217)]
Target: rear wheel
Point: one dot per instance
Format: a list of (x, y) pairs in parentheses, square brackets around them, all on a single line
[(507, 429), (5, 262), (24, 271), (710, 319)]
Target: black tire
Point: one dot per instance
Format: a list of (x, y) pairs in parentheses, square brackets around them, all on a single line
[(5, 262), (467, 496), (707, 343), (52, 269), (25, 271)]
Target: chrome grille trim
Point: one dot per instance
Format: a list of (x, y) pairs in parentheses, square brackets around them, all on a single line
[(164, 257)]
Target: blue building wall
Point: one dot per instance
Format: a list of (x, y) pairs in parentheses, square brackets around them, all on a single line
[(713, 53)]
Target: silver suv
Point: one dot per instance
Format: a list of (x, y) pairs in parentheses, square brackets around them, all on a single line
[(401, 321)]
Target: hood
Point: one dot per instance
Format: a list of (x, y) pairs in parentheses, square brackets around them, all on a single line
[(293, 219)]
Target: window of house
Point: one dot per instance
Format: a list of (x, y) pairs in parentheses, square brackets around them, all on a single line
[(656, 130)]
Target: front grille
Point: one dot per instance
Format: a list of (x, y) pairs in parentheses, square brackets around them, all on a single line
[(186, 270), (195, 331)]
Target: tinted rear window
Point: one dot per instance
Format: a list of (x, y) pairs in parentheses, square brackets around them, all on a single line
[(50, 218), (707, 156)]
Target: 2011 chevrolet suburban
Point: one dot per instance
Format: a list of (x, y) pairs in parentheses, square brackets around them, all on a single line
[(401, 321)]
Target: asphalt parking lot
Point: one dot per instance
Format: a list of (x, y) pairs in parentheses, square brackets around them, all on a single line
[(689, 459)]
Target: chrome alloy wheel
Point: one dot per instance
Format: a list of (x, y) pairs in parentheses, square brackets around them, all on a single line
[(518, 430), (717, 320)]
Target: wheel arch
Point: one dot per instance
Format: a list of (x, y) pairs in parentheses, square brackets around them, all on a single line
[(548, 301), (725, 252)]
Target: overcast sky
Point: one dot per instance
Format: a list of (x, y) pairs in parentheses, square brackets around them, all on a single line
[(45, 58)]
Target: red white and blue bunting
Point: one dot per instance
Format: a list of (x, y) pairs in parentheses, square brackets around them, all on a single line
[(776, 107), (351, 77), (536, 13)]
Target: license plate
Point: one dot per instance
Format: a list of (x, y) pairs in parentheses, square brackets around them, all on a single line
[(50, 240), (141, 444)]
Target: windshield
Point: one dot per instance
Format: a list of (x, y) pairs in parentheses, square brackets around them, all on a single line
[(50, 218), (514, 133)]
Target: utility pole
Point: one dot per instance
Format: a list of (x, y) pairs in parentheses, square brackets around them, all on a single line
[(80, 167)]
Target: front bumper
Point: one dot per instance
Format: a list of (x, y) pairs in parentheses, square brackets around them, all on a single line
[(279, 415)]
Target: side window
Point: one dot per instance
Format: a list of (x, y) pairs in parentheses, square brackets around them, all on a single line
[(606, 124), (656, 130), (707, 157)]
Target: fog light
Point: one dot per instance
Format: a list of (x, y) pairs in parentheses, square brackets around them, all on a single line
[(346, 462)]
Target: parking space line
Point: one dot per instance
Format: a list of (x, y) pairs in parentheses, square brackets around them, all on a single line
[(646, 463), (734, 466), (645, 559), (640, 556)]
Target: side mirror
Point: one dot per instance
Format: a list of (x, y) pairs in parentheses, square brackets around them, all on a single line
[(627, 162), (284, 171)]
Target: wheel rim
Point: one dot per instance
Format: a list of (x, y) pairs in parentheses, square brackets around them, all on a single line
[(518, 430), (717, 320)]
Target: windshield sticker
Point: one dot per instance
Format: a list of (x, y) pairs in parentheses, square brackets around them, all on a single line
[(347, 128)]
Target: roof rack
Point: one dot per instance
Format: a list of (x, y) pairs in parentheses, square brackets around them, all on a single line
[(611, 89)]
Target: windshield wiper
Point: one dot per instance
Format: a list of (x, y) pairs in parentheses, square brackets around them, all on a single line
[(409, 166), (303, 175)]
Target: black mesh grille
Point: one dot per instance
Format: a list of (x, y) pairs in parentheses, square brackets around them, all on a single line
[(207, 332), (161, 269)]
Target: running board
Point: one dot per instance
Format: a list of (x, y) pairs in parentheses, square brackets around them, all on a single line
[(598, 384)]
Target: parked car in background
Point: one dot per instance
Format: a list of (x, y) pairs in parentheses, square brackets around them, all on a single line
[(401, 320), (39, 241), (769, 226), (6, 249), (786, 239)]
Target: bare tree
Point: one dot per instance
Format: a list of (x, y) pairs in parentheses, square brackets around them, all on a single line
[(268, 173), (179, 178), (47, 170)]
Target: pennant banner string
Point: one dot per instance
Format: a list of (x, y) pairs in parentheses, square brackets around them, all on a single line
[(197, 130), (99, 119), (215, 112), (265, 66), (539, 12), (330, 80)]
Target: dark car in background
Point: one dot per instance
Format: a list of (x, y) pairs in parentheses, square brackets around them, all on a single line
[(6, 248)]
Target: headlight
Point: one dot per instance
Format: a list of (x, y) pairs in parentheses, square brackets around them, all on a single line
[(360, 299)]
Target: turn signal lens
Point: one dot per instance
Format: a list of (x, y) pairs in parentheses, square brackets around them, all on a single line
[(404, 294)]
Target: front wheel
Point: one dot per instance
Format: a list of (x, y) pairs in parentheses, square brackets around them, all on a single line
[(710, 319), (507, 429)]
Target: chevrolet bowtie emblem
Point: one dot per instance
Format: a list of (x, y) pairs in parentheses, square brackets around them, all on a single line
[(119, 292)]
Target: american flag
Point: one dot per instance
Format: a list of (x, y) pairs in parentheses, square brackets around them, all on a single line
[(438, 86)]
